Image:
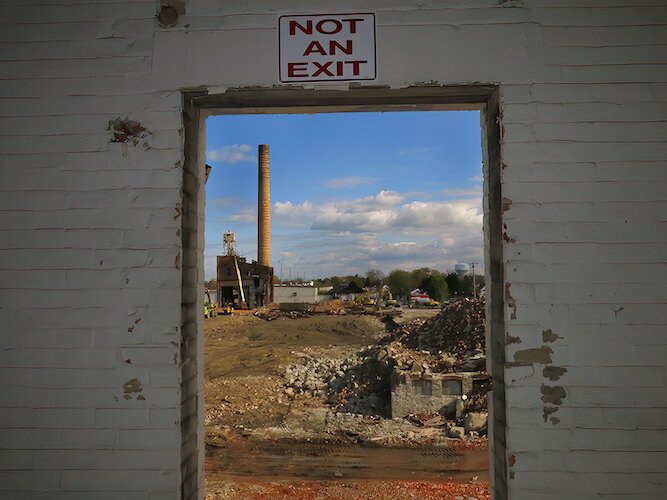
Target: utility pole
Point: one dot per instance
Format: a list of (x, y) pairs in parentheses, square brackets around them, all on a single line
[(474, 283)]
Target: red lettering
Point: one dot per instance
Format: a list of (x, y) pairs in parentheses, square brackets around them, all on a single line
[(315, 47), (308, 30), (333, 45), (292, 68), (337, 26), (323, 68), (339, 68), (353, 24), (355, 66)]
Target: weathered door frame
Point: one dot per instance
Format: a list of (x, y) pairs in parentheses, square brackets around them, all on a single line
[(199, 104)]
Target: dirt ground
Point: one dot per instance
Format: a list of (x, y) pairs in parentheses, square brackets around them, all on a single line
[(247, 409), (244, 361)]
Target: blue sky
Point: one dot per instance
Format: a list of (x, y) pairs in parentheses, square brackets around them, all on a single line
[(349, 191)]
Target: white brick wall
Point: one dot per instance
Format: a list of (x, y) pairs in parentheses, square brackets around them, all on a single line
[(89, 233)]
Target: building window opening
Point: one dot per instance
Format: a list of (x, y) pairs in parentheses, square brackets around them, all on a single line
[(344, 261)]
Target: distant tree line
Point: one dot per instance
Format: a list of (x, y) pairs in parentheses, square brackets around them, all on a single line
[(439, 286)]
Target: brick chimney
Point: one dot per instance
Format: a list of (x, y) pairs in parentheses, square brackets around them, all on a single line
[(264, 209)]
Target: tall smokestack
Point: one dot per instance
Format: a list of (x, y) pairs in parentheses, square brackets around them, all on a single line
[(264, 209)]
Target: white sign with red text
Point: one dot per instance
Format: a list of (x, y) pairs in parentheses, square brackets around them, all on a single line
[(327, 47)]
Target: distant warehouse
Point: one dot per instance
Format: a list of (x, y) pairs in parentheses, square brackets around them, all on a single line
[(300, 293)]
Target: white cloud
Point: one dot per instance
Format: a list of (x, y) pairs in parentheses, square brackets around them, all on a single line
[(332, 219), (389, 229), (382, 199), (244, 215), (232, 153), (348, 182)]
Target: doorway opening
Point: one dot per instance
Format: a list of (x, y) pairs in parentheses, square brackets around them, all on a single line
[(432, 394)]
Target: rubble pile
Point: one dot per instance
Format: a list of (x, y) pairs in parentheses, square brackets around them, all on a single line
[(479, 400), (359, 383), (329, 307), (355, 384), (272, 311), (451, 341), (313, 375), (458, 329)]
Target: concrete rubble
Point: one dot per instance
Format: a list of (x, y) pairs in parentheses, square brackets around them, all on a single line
[(452, 342)]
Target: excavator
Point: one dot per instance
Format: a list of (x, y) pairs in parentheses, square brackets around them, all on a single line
[(211, 310), (209, 306)]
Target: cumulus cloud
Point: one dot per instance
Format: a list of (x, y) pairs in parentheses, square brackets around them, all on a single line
[(244, 215), (388, 229), (232, 153), (408, 217), (348, 182)]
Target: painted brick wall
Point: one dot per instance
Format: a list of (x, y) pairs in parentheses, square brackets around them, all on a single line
[(90, 232)]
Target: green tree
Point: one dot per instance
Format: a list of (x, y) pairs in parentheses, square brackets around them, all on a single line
[(418, 275), (436, 286), (454, 283), (399, 282), (374, 277)]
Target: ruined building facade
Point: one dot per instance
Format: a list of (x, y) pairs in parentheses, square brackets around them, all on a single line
[(101, 233), (257, 282)]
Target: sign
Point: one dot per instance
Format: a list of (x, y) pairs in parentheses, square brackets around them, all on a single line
[(327, 47)]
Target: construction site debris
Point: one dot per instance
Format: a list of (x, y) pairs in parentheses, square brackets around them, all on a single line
[(476, 421), (450, 342), (455, 337), (330, 307)]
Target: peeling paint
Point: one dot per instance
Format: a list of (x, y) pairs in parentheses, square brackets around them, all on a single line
[(506, 236), (170, 10), (554, 420), (553, 372), (549, 336), (553, 394), (512, 340), (509, 300), (177, 209), (548, 410), (132, 386), (126, 131), (540, 355), (128, 361), (511, 460), (506, 205), (177, 261)]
